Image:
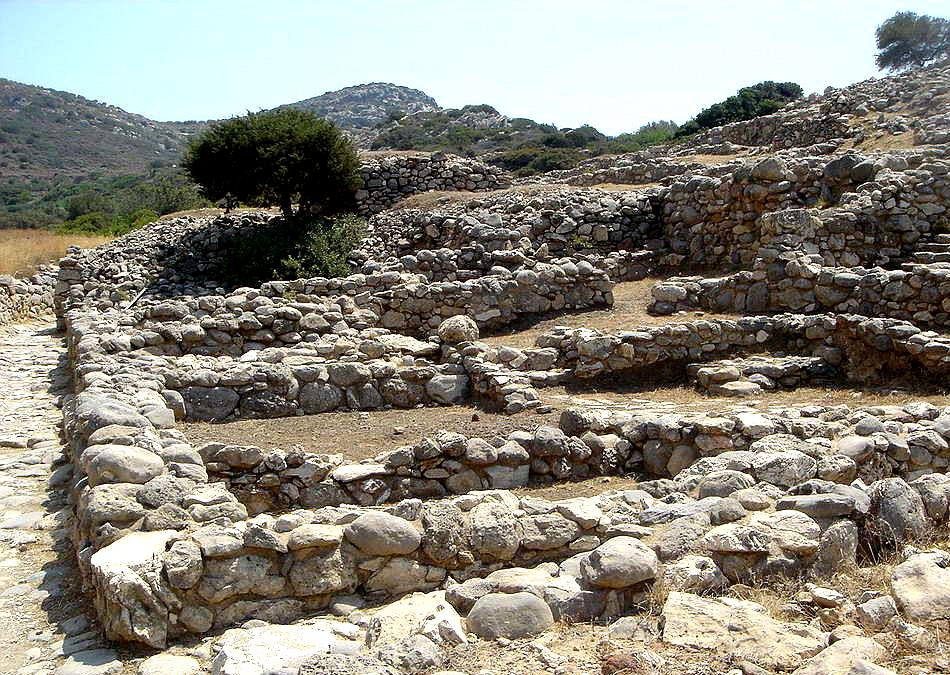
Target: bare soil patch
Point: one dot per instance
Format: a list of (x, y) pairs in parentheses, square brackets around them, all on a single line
[(361, 435), (589, 487), (629, 312)]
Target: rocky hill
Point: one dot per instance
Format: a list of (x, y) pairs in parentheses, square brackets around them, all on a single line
[(360, 109), (55, 144), (473, 129), (46, 133)]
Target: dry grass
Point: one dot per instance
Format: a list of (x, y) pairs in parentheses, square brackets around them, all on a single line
[(22, 251)]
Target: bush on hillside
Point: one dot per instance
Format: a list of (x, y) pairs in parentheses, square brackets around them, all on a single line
[(652, 133), (531, 160), (760, 99), (98, 222), (280, 157)]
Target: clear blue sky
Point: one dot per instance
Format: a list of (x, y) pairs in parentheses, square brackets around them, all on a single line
[(615, 64)]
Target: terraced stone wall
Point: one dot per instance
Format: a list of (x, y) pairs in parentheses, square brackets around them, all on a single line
[(792, 282), (869, 351), (277, 567), (390, 179), (552, 218)]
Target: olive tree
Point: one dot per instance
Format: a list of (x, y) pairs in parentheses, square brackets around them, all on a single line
[(281, 157), (908, 40)]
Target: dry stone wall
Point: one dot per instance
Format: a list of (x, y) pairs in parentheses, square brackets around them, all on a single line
[(27, 298), (214, 573), (869, 351), (793, 282), (556, 218), (390, 179)]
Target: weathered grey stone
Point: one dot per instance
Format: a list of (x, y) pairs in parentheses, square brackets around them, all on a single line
[(123, 464), (379, 533), (619, 563), (509, 615), (739, 631), (457, 329), (921, 586)]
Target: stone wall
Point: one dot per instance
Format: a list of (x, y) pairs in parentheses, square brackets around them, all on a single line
[(879, 214), (390, 179), (793, 282), (27, 298), (202, 574), (556, 219), (869, 351), (868, 108)]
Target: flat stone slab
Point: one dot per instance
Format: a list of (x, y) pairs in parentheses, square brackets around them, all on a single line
[(91, 662), (740, 630), (277, 649)]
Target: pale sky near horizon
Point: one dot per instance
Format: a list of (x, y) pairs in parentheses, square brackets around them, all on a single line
[(609, 63)]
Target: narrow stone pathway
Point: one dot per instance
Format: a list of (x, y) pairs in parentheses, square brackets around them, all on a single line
[(43, 618)]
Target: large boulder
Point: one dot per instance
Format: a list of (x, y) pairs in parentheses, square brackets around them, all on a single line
[(509, 615), (130, 609), (447, 389), (379, 533), (897, 514), (494, 531), (209, 403), (122, 464), (619, 563), (269, 649), (841, 657), (785, 468), (458, 329), (921, 586)]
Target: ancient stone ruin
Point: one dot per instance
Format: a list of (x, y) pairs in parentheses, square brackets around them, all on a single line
[(799, 251)]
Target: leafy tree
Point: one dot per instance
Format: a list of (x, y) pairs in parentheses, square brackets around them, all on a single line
[(909, 40), (277, 157)]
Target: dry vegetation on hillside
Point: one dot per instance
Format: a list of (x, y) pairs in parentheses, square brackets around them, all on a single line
[(21, 251)]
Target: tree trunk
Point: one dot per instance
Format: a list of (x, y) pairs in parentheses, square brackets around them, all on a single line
[(287, 208)]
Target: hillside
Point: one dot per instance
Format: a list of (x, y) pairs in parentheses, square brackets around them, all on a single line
[(362, 108), (55, 145), (46, 133)]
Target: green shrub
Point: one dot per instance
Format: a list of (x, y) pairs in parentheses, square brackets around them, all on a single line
[(317, 247), (98, 222), (763, 98), (531, 160)]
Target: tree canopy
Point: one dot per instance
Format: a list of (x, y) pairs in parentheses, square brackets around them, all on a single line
[(281, 157), (909, 40)]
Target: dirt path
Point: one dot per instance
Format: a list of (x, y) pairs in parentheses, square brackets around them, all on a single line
[(43, 618)]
